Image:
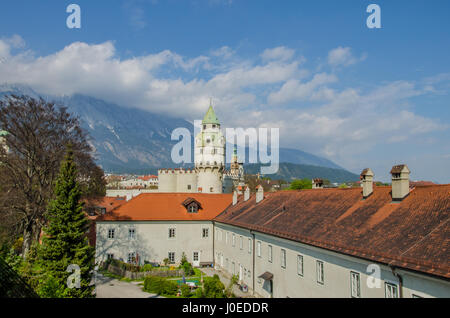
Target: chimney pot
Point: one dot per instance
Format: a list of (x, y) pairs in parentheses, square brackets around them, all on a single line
[(246, 193), (234, 197), (367, 182), (259, 193), (400, 182)]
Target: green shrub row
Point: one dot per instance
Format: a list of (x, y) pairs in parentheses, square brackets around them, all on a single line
[(160, 286)]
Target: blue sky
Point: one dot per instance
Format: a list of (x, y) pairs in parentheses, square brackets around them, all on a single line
[(360, 97)]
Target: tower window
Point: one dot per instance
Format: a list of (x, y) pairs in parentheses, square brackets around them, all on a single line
[(204, 126), (211, 189), (213, 126)]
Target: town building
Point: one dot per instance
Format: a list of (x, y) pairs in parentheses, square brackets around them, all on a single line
[(139, 182), (154, 226), (378, 242), (374, 241)]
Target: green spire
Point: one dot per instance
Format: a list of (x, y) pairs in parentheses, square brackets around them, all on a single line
[(210, 117), (3, 133)]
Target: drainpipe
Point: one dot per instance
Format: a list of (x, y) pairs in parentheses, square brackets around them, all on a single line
[(400, 281), (253, 263), (214, 239)]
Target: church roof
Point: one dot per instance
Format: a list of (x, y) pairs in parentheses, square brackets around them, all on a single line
[(210, 117), (3, 133)]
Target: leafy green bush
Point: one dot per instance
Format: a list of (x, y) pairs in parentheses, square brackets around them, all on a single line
[(146, 268), (160, 286), (185, 291), (213, 287), (199, 293), (301, 184), (186, 266)]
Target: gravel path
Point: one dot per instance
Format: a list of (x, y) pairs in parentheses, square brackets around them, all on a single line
[(112, 288)]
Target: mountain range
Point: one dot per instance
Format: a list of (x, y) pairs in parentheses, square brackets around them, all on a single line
[(129, 140)]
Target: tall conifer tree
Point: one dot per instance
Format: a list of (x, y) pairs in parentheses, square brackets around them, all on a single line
[(65, 241)]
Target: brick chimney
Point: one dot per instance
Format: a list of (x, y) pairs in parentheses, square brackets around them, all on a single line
[(400, 182), (367, 182), (234, 197), (317, 183), (246, 193), (259, 193)]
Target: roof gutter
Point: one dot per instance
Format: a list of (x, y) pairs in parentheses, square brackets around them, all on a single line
[(400, 281), (253, 262)]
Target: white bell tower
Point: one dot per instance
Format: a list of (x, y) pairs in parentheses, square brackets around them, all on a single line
[(209, 155)]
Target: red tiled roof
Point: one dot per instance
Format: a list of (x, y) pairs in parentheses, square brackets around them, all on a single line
[(420, 183), (169, 206), (413, 234), (146, 178)]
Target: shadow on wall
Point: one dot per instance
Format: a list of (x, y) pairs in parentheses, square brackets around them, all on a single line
[(122, 244)]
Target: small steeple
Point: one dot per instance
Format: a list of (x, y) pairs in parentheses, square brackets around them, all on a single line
[(210, 117)]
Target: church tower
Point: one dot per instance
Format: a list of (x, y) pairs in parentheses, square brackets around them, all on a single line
[(209, 155)]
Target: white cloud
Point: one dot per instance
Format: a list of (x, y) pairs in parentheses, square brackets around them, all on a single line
[(314, 111), (280, 53), (293, 89), (342, 56)]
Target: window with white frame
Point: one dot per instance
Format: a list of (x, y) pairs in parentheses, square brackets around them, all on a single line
[(241, 242), (193, 208), (391, 290), (355, 285), (111, 233), (171, 257), (283, 258), (233, 240), (226, 237), (131, 234), (270, 253), (172, 232), (131, 257), (249, 246), (205, 233), (319, 272), (109, 256), (220, 235), (300, 265), (258, 248)]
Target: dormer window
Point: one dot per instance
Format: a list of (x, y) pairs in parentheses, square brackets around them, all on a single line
[(192, 205), (193, 208)]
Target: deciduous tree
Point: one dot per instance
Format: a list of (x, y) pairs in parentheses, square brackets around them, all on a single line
[(37, 134)]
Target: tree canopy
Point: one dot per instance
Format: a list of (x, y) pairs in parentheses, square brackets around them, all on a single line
[(37, 135)]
